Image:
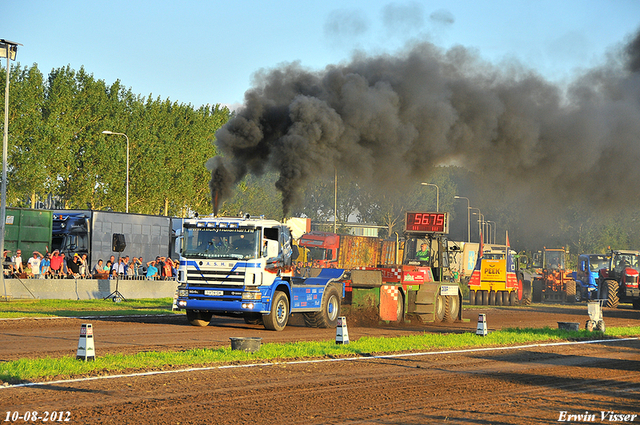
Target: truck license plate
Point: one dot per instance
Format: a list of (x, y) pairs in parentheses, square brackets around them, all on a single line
[(212, 292)]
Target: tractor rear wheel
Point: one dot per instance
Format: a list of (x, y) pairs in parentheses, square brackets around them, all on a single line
[(440, 308), (453, 308), (537, 291), (610, 293)]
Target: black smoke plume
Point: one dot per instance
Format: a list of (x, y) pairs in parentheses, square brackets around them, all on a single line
[(389, 120)]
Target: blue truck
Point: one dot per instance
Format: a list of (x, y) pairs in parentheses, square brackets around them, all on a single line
[(242, 266), (587, 275)]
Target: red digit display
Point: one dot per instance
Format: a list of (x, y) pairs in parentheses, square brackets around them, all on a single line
[(426, 222)]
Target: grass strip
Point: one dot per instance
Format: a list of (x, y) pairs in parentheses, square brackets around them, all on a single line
[(65, 367), (86, 308)]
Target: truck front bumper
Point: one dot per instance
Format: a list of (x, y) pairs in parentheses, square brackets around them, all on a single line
[(222, 306)]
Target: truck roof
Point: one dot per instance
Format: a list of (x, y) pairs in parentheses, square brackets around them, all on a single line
[(233, 222)]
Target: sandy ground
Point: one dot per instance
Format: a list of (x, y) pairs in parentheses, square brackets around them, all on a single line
[(533, 384)]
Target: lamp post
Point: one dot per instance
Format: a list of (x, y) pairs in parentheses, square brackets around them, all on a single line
[(8, 49), (468, 217), (495, 229), (122, 134), (480, 223), (437, 195)]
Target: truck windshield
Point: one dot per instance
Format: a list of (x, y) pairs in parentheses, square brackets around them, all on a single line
[(597, 262), (230, 244), (316, 253)]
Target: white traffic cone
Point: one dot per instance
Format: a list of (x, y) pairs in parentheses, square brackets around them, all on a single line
[(482, 325), (342, 334), (86, 349)]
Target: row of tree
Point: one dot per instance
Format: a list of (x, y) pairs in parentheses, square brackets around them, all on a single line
[(58, 156)]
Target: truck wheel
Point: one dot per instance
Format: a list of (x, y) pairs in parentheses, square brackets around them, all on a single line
[(513, 298), (440, 308), (330, 308), (277, 319), (610, 294), (505, 297), (499, 298), (400, 308), (252, 318), (472, 297), (537, 291), (571, 292), (526, 293), (453, 308), (479, 297), (198, 318), (485, 297), (492, 298)]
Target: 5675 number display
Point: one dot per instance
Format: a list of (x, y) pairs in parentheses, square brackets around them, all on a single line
[(34, 416)]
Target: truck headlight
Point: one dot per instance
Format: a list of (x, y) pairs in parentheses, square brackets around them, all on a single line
[(252, 295), (183, 293)]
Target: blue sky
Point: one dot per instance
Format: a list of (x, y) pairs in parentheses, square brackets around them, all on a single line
[(206, 51)]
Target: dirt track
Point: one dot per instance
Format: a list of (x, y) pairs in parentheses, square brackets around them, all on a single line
[(527, 385)]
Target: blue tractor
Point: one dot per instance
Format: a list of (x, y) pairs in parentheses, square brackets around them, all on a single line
[(587, 275)]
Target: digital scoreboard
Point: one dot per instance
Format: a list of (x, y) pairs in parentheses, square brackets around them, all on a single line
[(426, 222)]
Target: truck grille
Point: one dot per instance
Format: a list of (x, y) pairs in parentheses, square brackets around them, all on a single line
[(213, 278)]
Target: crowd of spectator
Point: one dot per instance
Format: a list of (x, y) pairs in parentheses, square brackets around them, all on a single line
[(56, 265)]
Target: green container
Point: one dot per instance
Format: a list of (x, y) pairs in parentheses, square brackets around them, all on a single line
[(28, 230)]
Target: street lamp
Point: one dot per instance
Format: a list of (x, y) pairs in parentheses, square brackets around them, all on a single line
[(480, 223), (8, 49), (437, 195), (468, 217), (495, 229), (122, 134)]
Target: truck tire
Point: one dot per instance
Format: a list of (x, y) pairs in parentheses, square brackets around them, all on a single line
[(526, 293), (610, 293), (492, 297), (513, 298), (328, 315), (499, 298), (440, 308), (252, 318), (472, 297), (198, 318), (278, 317), (571, 292), (485, 297), (453, 308), (479, 297), (537, 291), (505, 297), (400, 308)]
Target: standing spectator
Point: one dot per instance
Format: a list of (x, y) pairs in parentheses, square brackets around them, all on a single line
[(167, 267), (34, 263), (120, 268), (17, 262), (73, 265), (131, 270), (160, 266), (141, 271), (107, 268), (64, 268), (114, 264), (152, 270), (45, 267), (8, 264), (56, 263), (84, 268), (98, 268)]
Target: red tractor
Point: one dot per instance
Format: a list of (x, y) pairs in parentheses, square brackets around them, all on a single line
[(619, 281)]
